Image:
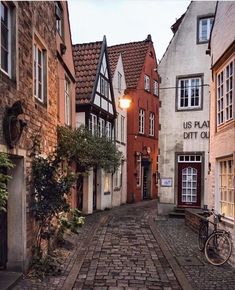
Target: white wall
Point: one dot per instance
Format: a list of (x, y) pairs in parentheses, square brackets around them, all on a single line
[(119, 195), (183, 57)]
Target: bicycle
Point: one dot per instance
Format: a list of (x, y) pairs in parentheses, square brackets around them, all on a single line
[(217, 246)]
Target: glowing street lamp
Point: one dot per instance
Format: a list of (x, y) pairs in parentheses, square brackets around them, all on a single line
[(124, 102)]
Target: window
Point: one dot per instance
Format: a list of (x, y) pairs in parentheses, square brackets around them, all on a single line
[(107, 182), (67, 103), (104, 87), (93, 124), (147, 83), (40, 72), (122, 129), (151, 124), (5, 60), (109, 130), (117, 127), (59, 18), (155, 88), (119, 82), (117, 178), (225, 93), (204, 29), (226, 187), (141, 121), (189, 93), (101, 127)]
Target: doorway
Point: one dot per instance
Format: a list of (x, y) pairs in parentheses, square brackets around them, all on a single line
[(189, 180), (146, 179)]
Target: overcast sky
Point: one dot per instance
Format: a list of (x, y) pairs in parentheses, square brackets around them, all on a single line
[(125, 21)]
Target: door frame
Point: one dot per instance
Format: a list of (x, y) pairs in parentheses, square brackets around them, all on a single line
[(176, 183)]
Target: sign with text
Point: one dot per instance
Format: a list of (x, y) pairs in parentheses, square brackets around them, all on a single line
[(193, 129)]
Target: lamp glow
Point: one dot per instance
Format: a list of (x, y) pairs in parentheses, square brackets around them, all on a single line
[(124, 103)]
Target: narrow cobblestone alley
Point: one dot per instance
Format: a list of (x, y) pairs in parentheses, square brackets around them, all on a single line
[(127, 249)]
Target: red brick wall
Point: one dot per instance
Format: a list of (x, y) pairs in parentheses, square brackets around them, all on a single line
[(136, 142)]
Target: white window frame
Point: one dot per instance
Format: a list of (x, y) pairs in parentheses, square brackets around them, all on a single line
[(109, 130), (146, 83), (67, 115), (9, 41), (226, 187), (186, 91), (117, 127), (209, 22), (93, 124), (101, 127), (225, 93), (42, 65), (141, 121), (119, 82), (155, 88), (151, 123), (122, 128)]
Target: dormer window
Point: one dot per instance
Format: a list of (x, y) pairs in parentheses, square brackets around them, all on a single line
[(59, 18), (204, 29), (147, 83)]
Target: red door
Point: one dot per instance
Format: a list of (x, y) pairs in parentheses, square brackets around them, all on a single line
[(189, 184)]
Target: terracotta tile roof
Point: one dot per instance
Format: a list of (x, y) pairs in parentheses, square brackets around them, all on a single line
[(113, 60), (133, 55), (86, 58)]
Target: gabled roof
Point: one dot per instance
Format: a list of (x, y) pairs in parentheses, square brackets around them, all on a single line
[(113, 60), (133, 56), (86, 61)]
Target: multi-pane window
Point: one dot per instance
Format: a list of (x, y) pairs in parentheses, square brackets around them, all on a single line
[(119, 82), (109, 130), (226, 187), (204, 29), (101, 127), (151, 124), (147, 83), (59, 18), (155, 88), (117, 178), (93, 124), (104, 87), (122, 129), (225, 93), (5, 38), (117, 127), (40, 72), (189, 93), (67, 103), (141, 121)]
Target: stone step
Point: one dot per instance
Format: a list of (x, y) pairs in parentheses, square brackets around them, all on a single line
[(175, 214), (179, 209)]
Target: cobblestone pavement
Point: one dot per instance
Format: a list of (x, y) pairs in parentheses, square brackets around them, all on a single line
[(125, 255), (119, 249), (182, 242)]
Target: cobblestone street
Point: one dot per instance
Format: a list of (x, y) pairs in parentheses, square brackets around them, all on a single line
[(125, 248)]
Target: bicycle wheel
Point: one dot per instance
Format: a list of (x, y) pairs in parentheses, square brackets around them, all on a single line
[(202, 236), (218, 248)]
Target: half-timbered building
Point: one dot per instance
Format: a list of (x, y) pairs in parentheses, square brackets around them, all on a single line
[(95, 108)]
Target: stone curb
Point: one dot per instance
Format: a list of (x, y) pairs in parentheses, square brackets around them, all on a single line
[(183, 281), (81, 254)]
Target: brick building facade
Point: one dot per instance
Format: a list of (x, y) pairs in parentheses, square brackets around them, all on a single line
[(29, 86)]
